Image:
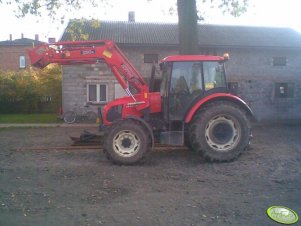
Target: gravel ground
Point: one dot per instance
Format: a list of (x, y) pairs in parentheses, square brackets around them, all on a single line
[(171, 187)]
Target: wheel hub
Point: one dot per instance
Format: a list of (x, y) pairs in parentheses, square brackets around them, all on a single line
[(126, 143), (222, 133)]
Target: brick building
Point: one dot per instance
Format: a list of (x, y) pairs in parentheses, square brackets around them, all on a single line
[(13, 54), (264, 66)]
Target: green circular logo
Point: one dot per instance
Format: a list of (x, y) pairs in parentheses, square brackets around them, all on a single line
[(282, 214)]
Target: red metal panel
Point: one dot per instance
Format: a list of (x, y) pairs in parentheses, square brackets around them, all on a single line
[(210, 98), (90, 52), (155, 102), (134, 108)]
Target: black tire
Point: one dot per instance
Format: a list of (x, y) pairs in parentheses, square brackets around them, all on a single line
[(126, 142), (188, 137), (91, 117), (221, 132), (69, 117)]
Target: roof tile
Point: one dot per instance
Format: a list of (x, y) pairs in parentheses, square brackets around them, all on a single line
[(134, 33)]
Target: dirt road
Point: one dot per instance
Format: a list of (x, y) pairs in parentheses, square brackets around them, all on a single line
[(172, 187)]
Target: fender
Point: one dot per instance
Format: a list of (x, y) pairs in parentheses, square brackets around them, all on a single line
[(122, 102), (218, 96), (151, 101), (149, 129)]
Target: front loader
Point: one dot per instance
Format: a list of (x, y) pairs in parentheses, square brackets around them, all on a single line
[(193, 106)]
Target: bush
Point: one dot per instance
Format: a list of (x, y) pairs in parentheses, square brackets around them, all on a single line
[(31, 91)]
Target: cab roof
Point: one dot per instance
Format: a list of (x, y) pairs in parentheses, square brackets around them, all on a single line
[(177, 58)]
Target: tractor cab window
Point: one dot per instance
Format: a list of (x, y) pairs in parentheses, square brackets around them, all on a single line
[(214, 75), (186, 77), (185, 83)]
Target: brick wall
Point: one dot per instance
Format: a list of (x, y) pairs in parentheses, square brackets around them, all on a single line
[(10, 57)]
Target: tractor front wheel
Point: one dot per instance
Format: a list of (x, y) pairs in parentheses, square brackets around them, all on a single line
[(220, 132), (126, 142)]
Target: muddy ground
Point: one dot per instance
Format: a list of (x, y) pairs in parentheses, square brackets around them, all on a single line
[(172, 187)]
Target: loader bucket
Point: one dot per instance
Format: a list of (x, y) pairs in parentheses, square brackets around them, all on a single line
[(37, 56)]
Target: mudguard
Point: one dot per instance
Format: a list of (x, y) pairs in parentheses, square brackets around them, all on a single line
[(219, 96), (147, 126)]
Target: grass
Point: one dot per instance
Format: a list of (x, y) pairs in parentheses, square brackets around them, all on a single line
[(29, 118)]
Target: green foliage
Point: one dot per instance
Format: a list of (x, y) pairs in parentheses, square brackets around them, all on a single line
[(29, 118), (233, 7), (188, 13), (79, 29), (51, 7), (30, 90)]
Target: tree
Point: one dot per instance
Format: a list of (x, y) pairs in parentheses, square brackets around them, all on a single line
[(188, 33), (188, 17), (187, 14), (31, 91), (53, 8)]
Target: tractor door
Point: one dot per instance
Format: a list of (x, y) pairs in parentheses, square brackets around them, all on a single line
[(186, 82), (181, 82)]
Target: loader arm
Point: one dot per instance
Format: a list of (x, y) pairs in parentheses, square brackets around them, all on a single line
[(90, 52)]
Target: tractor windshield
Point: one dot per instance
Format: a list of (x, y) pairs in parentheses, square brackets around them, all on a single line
[(187, 80)]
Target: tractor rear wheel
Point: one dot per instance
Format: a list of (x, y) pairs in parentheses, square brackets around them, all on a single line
[(220, 132), (126, 142)]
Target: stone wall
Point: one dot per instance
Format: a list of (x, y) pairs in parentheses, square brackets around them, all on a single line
[(258, 82), (75, 80), (76, 77)]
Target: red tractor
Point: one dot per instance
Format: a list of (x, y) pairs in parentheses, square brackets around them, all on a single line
[(192, 107)]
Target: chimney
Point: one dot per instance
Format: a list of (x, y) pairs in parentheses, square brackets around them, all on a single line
[(36, 37), (51, 40), (131, 16), (22, 35), (10, 37)]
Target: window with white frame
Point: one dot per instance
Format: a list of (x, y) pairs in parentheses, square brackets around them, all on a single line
[(22, 62), (97, 93)]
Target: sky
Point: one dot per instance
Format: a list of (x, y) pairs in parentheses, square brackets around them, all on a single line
[(276, 13)]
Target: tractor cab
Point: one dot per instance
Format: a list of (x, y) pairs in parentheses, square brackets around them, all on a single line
[(188, 79)]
